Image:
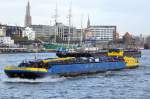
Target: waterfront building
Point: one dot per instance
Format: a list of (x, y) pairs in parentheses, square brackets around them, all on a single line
[(11, 31), (2, 31), (147, 43), (127, 38), (117, 36), (43, 30), (129, 41), (28, 18), (6, 41), (29, 33), (148, 39), (80, 35), (141, 40), (59, 32), (102, 33), (64, 35), (88, 34)]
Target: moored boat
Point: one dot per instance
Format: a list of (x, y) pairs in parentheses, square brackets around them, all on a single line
[(129, 53), (130, 56)]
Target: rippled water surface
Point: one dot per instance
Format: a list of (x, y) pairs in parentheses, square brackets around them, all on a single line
[(125, 84)]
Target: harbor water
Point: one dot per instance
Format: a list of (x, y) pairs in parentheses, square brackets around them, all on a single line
[(124, 84)]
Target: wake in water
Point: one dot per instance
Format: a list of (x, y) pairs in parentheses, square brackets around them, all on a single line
[(42, 80)]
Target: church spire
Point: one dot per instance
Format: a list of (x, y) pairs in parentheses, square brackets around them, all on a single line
[(88, 22), (28, 19)]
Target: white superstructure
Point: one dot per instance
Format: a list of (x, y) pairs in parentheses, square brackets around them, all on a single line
[(6, 41), (2, 31), (28, 32)]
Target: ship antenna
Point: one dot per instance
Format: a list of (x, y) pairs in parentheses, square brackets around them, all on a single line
[(81, 38), (70, 15), (56, 19)]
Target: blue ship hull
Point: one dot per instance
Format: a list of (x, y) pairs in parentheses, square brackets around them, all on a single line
[(77, 69), (25, 74), (73, 69)]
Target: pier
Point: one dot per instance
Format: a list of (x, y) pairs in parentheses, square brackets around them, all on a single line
[(12, 50)]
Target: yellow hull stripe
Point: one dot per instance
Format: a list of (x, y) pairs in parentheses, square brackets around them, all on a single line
[(57, 59), (26, 69), (115, 53)]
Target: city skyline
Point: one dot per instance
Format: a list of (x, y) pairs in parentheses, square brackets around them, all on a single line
[(129, 16)]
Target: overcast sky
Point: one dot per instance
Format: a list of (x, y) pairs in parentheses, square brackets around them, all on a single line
[(129, 15)]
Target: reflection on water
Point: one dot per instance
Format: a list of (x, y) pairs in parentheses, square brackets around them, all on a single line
[(125, 84)]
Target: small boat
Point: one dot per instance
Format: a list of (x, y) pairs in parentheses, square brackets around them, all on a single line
[(70, 66)]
